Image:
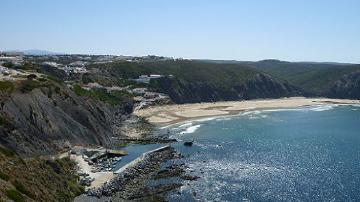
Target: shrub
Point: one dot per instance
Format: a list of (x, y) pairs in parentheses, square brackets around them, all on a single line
[(31, 76), (7, 86), (14, 195), (113, 98), (20, 187), (41, 79), (29, 85)]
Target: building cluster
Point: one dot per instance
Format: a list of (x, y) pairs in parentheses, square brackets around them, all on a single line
[(147, 98), (144, 98), (4, 70), (77, 67), (13, 57), (13, 74), (147, 78)]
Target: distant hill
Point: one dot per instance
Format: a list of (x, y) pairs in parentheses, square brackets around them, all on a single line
[(40, 52), (213, 80), (197, 81), (313, 77)]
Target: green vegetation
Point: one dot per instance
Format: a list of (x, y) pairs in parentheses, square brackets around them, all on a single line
[(15, 195), (27, 86), (8, 65), (7, 86), (20, 187), (219, 75), (109, 81), (113, 97), (314, 78), (29, 177)]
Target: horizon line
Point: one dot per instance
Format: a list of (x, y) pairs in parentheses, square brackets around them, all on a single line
[(52, 53)]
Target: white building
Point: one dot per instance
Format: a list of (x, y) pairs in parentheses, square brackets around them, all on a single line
[(147, 78)]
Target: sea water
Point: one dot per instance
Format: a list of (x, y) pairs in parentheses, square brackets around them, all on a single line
[(302, 154)]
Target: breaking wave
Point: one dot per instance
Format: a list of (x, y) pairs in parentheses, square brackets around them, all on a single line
[(190, 129)]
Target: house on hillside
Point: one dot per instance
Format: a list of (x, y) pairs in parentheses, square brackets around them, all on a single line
[(147, 78)]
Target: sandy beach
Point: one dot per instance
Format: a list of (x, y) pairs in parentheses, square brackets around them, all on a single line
[(100, 178), (170, 114)]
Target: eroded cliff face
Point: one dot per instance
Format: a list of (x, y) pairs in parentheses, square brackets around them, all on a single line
[(48, 119), (347, 87), (259, 86)]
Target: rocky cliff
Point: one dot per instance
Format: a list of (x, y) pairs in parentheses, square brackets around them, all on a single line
[(50, 118), (258, 86), (347, 87)]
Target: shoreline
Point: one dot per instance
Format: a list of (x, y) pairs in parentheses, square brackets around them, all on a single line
[(167, 115), (131, 181)]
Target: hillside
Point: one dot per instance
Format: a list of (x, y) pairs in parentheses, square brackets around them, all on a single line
[(193, 81), (38, 179), (44, 117), (347, 86), (258, 86), (314, 78)]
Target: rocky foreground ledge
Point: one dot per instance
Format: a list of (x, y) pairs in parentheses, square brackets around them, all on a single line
[(131, 180)]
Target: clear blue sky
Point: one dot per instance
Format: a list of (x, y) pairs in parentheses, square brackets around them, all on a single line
[(304, 30)]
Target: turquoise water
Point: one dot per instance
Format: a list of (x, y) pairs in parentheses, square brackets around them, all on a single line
[(308, 154)]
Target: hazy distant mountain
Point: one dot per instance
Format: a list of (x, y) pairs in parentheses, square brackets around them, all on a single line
[(40, 52), (267, 61)]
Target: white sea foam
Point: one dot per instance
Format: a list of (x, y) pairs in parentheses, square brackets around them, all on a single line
[(285, 109), (206, 146), (185, 125), (206, 119), (223, 119), (322, 108), (190, 129), (255, 112), (164, 127)]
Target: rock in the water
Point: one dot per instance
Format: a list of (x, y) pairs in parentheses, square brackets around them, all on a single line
[(188, 144)]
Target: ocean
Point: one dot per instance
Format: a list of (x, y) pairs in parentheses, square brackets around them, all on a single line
[(300, 154)]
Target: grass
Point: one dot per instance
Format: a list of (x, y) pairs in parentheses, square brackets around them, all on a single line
[(29, 85), (15, 195), (21, 188), (7, 86), (41, 179), (113, 98)]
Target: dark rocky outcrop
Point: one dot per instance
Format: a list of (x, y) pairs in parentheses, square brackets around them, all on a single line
[(259, 86), (347, 87), (132, 183), (48, 119)]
